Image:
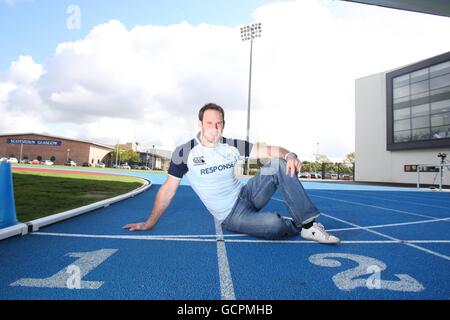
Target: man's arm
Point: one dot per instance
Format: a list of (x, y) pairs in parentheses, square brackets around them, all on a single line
[(162, 201), (261, 151), (293, 164)]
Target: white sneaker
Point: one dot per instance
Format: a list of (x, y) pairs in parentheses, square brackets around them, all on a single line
[(318, 233)]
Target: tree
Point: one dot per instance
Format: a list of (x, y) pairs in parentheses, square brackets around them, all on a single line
[(321, 158), (350, 157), (130, 156), (126, 156), (311, 166)]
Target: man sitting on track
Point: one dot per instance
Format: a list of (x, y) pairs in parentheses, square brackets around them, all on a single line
[(208, 162)]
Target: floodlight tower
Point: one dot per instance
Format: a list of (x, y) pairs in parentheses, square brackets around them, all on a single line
[(250, 32)]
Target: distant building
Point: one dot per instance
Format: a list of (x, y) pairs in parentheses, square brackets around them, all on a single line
[(130, 146), (36, 146), (156, 159)]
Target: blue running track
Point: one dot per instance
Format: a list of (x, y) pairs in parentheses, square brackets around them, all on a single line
[(395, 245)]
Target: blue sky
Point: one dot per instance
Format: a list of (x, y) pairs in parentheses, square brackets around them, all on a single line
[(36, 27)]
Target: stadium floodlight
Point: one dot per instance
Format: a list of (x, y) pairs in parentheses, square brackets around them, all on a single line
[(250, 32)]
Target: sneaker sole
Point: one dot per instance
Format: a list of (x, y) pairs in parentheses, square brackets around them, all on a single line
[(323, 242)]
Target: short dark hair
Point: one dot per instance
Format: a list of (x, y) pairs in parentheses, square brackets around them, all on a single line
[(210, 106)]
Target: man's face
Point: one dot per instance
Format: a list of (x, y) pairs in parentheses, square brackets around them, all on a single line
[(212, 126)]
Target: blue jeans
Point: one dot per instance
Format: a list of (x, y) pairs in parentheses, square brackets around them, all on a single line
[(245, 217)]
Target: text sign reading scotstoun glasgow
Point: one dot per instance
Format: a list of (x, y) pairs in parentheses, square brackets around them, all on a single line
[(34, 142)]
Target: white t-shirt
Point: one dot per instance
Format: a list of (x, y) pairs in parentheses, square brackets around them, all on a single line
[(210, 171)]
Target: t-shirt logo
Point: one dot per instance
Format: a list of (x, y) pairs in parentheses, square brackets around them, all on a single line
[(198, 161)]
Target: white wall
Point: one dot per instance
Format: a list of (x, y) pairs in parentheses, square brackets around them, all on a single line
[(373, 162)]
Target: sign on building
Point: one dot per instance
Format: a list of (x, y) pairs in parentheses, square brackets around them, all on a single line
[(34, 142)]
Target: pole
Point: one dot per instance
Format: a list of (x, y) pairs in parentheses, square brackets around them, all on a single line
[(21, 152), (353, 170), (247, 160), (250, 32), (339, 173), (117, 153), (153, 157), (249, 90), (418, 176)]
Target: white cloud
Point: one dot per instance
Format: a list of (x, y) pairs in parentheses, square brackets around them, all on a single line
[(5, 89), (24, 70), (12, 3), (149, 82)]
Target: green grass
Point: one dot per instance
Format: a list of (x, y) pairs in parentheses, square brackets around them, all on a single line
[(40, 194)]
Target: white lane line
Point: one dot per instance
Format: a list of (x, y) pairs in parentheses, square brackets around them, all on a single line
[(390, 199), (376, 207), (428, 241), (148, 238), (226, 281), (196, 235), (192, 237), (424, 196), (344, 241), (145, 238), (391, 238), (390, 225)]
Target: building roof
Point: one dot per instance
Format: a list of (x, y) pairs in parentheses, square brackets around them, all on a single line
[(407, 65), (57, 137), (159, 153), (434, 7)]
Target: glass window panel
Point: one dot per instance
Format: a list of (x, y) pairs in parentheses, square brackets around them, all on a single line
[(440, 94), (440, 90), (440, 119), (420, 122), (401, 105), (402, 136), (440, 132), (421, 134), (440, 69), (440, 106), (419, 75), (420, 96), (401, 92), (401, 81), (417, 100), (420, 87), (402, 114), (421, 110), (400, 100), (402, 125), (440, 82)]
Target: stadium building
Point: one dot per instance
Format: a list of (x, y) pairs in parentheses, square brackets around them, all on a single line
[(35, 146), (403, 120)]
